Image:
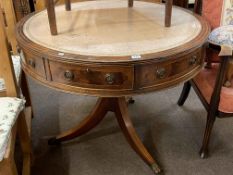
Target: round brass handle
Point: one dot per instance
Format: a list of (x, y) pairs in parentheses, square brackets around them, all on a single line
[(109, 78), (69, 75), (161, 73), (193, 60), (32, 63)]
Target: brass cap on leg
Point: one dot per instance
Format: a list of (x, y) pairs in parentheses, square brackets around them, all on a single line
[(155, 168)]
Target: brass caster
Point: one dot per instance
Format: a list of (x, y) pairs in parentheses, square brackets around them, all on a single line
[(156, 168), (203, 154), (227, 84)]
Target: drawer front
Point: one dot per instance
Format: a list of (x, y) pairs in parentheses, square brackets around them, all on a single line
[(92, 76), (157, 73), (35, 63)]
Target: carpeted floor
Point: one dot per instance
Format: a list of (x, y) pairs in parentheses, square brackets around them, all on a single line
[(172, 134)]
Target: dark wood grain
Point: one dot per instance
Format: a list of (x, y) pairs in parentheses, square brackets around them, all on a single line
[(113, 77), (208, 86), (168, 12), (185, 93), (100, 77), (119, 107), (181, 3), (197, 6), (68, 5), (51, 16), (130, 3)]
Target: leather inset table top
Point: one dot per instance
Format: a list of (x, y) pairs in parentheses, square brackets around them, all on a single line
[(110, 28)]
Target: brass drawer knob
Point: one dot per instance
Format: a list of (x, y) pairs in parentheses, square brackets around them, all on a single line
[(109, 78), (193, 60), (161, 73), (69, 75), (32, 63)]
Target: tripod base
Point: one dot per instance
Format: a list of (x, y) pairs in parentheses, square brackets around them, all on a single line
[(119, 107)]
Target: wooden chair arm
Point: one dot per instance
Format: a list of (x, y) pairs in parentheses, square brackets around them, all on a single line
[(197, 7), (50, 5), (225, 51)]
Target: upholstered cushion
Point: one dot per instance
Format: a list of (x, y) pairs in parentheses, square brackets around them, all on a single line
[(17, 66), (2, 84), (222, 36), (17, 70), (191, 1), (10, 109)]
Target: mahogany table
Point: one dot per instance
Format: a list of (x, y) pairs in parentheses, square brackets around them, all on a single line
[(108, 50)]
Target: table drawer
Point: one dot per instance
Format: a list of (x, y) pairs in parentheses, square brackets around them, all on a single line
[(35, 63), (92, 76), (158, 73)]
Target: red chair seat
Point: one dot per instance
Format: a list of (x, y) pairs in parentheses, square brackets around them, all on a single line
[(205, 81)]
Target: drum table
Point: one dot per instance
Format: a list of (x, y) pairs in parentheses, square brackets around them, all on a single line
[(105, 49)]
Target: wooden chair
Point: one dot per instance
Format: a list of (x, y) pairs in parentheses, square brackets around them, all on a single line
[(14, 118), (13, 11), (10, 21), (50, 5), (208, 84), (21, 8), (40, 4)]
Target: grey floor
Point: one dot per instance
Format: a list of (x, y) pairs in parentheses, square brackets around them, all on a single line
[(172, 134)]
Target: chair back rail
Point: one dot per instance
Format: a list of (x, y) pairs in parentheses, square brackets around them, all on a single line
[(21, 8), (10, 18), (14, 10), (7, 165), (6, 66)]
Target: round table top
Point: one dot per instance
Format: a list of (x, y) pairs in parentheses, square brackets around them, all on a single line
[(110, 31), (104, 48)]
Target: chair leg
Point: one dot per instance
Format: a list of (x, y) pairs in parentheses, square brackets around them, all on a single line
[(26, 92), (209, 126), (213, 106), (68, 5), (51, 16), (184, 93), (25, 142), (168, 12), (130, 3), (8, 167)]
